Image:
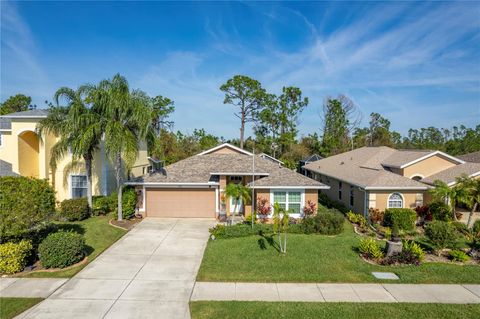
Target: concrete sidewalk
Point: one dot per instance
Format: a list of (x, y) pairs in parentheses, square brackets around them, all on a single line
[(29, 287), (311, 292)]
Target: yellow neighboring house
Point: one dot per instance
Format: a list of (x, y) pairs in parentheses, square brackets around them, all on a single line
[(23, 152)]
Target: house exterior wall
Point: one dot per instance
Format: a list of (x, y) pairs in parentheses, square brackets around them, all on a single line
[(411, 199), (333, 193), (15, 151), (429, 166)]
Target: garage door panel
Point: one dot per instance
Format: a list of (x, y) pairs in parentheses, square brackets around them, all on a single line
[(180, 202)]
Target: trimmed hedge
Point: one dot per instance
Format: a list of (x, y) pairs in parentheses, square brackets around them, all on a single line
[(403, 218), (129, 202), (26, 206), (441, 234), (240, 230), (61, 249), (14, 256), (329, 222), (103, 205), (74, 209)]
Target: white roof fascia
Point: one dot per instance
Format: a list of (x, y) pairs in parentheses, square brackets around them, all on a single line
[(238, 149)]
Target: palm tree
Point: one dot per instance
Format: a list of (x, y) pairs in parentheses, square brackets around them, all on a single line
[(126, 122), (450, 194), (78, 128), (472, 194), (237, 192)]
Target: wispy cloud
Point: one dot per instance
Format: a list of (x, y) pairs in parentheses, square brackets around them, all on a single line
[(21, 71)]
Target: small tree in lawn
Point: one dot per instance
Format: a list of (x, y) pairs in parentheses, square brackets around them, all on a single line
[(449, 194), (280, 226), (263, 208), (237, 192), (310, 209)]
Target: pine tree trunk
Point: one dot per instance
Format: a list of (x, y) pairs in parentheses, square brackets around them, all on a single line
[(118, 175), (88, 168), (470, 216), (242, 129)]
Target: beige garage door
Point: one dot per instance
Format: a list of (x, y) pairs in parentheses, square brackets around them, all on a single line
[(180, 202)]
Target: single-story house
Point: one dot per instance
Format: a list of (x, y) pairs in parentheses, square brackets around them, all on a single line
[(194, 187), (383, 177)]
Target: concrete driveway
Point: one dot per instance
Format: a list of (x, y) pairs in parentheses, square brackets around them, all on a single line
[(149, 273)]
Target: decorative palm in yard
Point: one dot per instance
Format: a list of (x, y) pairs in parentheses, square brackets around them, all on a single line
[(450, 194), (237, 192), (79, 129), (471, 198), (280, 226), (126, 121)]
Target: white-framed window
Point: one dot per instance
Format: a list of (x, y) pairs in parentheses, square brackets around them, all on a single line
[(289, 200), (78, 186), (395, 200)]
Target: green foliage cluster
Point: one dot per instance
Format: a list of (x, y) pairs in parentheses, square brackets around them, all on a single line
[(459, 255), (414, 249), (26, 206), (403, 218), (369, 248), (358, 219), (16, 103), (14, 256), (103, 205), (441, 234), (74, 209), (129, 202), (240, 230), (61, 249), (325, 201), (328, 222), (440, 211)]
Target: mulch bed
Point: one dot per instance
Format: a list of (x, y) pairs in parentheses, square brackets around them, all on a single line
[(125, 224)]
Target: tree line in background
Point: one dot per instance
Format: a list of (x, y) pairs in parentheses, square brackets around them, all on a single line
[(273, 118)]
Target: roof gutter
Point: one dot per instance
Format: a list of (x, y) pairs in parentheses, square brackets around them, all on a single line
[(171, 185), (373, 188), (292, 187)]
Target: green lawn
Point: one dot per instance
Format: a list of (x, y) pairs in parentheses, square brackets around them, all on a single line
[(10, 307), (284, 310), (314, 258), (99, 235)]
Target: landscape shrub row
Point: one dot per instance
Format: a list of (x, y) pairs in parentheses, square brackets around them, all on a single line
[(14, 256), (61, 249), (403, 218)]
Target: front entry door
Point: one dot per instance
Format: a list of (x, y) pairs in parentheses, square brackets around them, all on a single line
[(236, 208)]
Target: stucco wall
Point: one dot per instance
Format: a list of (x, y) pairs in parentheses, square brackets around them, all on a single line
[(379, 199), (332, 193), (429, 166)]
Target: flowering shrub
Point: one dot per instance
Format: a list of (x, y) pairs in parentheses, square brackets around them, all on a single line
[(376, 215), (310, 208), (424, 212), (263, 207)]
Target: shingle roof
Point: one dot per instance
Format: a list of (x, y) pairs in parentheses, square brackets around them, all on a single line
[(29, 113), (199, 169), (363, 167), (6, 169), (470, 157), (401, 157), (449, 175), (312, 158), (5, 124)]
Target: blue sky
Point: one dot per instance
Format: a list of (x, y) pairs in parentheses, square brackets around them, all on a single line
[(418, 64)]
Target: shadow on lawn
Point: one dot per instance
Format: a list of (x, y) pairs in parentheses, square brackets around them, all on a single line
[(267, 239)]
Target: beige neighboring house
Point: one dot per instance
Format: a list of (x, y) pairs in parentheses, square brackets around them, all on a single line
[(383, 177), (23, 152), (194, 187)]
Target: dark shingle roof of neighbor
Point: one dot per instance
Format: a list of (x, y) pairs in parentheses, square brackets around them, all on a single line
[(6, 169), (26, 114), (312, 158), (199, 169), (470, 157)]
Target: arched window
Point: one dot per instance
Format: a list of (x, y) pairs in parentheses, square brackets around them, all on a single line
[(395, 201)]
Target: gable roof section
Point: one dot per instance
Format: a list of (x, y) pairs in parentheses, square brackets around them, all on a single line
[(363, 167), (271, 158), (198, 170), (225, 145), (405, 158), (311, 158), (449, 175), (470, 157), (35, 113)]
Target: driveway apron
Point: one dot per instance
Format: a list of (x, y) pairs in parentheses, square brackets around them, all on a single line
[(149, 273)]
